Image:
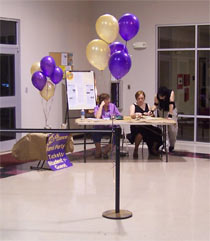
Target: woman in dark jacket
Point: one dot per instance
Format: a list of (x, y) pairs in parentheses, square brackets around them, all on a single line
[(164, 102)]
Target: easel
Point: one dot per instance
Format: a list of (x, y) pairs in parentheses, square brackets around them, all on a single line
[(40, 166), (68, 108)]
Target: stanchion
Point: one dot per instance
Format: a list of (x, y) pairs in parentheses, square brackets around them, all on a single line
[(117, 213)]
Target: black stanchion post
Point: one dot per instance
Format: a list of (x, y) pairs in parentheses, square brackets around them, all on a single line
[(117, 170), (85, 150), (117, 213)]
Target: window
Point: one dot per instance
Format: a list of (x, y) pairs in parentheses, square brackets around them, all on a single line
[(8, 32), (204, 36), (7, 121), (7, 75), (177, 72), (176, 37), (203, 129), (183, 64), (9, 81), (204, 82)]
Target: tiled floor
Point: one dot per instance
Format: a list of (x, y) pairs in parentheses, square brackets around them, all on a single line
[(169, 201)]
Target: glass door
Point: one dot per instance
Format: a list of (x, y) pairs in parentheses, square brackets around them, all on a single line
[(183, 64), (203, 86), (9, 83)]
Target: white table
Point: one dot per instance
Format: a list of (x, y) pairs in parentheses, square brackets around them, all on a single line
[(128, 121)]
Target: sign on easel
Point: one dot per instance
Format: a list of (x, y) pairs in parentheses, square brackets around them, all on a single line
[(57, 158), (80, 89)]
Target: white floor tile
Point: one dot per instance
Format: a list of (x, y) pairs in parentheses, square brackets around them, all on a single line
[(169, 201)]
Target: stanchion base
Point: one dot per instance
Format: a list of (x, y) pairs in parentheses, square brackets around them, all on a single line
[(111, 214)]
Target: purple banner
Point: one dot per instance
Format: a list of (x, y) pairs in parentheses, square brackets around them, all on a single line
[(57, 158)]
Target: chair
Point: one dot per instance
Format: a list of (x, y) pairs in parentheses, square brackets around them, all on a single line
[(128, 137)]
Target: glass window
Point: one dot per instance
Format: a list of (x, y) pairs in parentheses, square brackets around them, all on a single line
[(186, 129), (7, 121), (7, 75), (204, 36), (203, 130), (8, 34), (176, 37), (203, 82), (176, 70)]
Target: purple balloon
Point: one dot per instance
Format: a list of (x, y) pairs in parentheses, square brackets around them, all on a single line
[(39, 80), (128, 26), (119, 64), (117, 46), (57, 75), (47, 65)]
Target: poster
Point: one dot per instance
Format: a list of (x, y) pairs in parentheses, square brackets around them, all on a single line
[(90, 94), (57, 158), (80, 90)]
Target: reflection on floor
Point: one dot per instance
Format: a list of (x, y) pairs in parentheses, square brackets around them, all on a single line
[(169, 201), (11, 168)]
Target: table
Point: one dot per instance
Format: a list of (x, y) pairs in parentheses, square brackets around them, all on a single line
[(117, 213), (128, 121)]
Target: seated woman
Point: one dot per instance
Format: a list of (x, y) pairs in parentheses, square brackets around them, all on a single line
[(150, 134), (104, 110)]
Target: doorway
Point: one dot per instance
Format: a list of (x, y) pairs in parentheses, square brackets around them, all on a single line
[(10, 106)]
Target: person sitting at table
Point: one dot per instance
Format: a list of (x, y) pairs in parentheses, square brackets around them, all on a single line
[(150, 134), (104, 110)]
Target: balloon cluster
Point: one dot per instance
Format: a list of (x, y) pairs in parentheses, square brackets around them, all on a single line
[(103, 52), (41, 71)]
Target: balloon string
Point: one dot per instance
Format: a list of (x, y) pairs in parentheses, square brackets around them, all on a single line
[(101, 77), (47, 108), (46, 104), (126, 43), (50, 105), (44, 111)]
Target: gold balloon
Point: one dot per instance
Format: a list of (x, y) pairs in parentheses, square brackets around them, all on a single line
[(48, 91), (35, 67), (107, 28), (98, 53)]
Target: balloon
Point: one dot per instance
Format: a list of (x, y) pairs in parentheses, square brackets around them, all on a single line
[(48, 91), (107, 27), (39, 80), (117, 46), (57, 75), (119, 64), (47, 65), (35, 67), (129, 26), (98, 53)]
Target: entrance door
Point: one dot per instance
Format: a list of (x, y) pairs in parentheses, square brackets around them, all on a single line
[(9, 83)]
